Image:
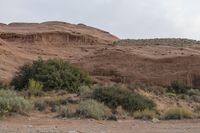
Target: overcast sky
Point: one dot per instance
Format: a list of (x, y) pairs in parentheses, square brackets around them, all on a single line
[(124, 18)]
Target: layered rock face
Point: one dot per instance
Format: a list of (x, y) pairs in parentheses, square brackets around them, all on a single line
[(54, 33)]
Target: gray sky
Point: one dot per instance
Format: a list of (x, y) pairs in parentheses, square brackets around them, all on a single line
[(124, 18)]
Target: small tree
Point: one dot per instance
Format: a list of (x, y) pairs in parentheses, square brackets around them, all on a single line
[(53, 74)]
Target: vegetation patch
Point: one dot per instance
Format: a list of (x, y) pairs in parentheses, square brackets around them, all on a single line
[(51, 74), (192, 92), (69, 111), (178, 113), (93, 109), (182, 88), (11, 103), (41, 105), (114, 96), (85, 92), (145, 114), (34, 87), (120, 113), (178, 87)]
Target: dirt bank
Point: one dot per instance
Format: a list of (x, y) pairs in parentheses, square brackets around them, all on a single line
[(45, 123)]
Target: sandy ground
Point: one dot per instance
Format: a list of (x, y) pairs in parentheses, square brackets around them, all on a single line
[(45, 123)]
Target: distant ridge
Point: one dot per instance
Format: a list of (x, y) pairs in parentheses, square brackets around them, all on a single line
[(160, 41)]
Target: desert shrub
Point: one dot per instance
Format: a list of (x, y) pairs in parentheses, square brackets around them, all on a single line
[(195, 98), (41, 105), (114, 97), (178, 113), (193, 92), (171, 95), (145, 114), (55, 108), (11, 103), (68, 111), (34, 86), (157, 90), (120, 113), (53, 101), (85, 92), (114, 43), (53, 74), (93, 109), (184, 97), (65, 112), (73, 99), (178, 87)]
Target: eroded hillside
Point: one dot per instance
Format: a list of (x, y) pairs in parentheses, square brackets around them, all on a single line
[(157, 61), (23, 42)]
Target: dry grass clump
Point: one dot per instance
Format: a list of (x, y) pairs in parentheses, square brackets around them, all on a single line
[(69, 111), (145, 114), (85, 109), (85, 92), (178, 113), (93, 109)]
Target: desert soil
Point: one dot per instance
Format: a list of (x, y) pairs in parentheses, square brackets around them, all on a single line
[(46, 123)]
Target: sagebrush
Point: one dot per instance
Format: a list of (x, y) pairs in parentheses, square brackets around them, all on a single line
[(114, 96), (93, 109), (11, 103)]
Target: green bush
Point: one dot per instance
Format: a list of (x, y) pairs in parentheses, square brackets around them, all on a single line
[(178, 113), (145, 114), (178, 87), (53, 74), (93, 109), (11, 103), (114, 97)]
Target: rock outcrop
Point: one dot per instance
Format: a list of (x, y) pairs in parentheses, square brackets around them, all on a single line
[(54, 33)]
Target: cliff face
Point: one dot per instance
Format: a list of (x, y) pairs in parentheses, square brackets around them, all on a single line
[(54, 33), (52, 38)]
